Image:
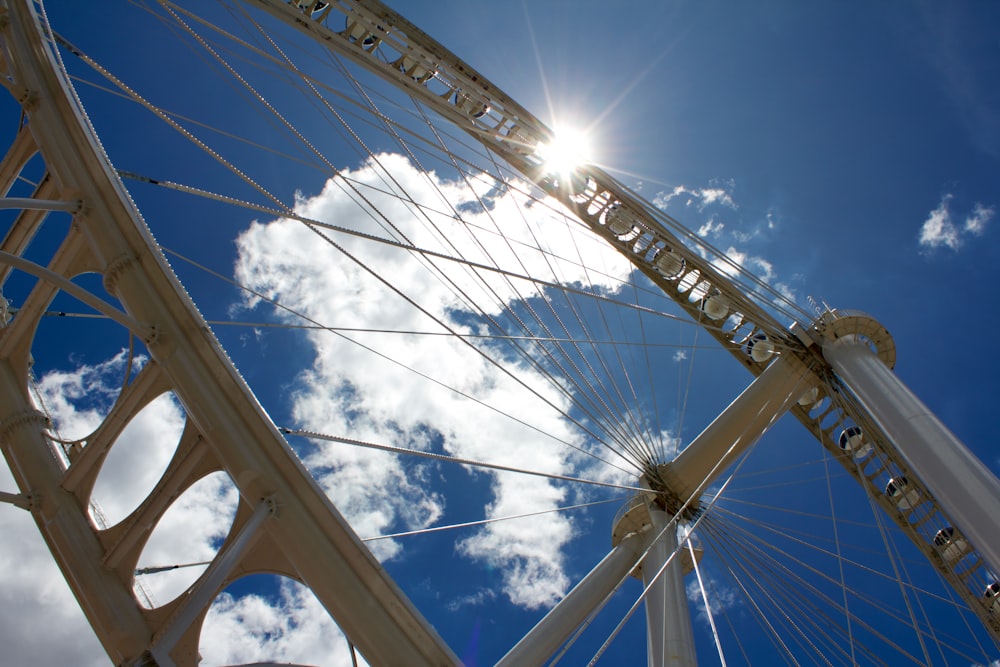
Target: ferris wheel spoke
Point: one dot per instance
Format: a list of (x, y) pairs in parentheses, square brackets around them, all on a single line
[(541, 300), (360, 58), (304, 317), (759, 571), (729, 535), (609, 412), (450, 459)]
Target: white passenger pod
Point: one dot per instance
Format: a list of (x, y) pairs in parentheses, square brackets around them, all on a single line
[(901, 492), (852, 440), (951, 545)]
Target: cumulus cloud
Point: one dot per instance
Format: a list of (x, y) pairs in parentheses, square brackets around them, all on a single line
[(34, 597), (720, 596), (698, 198), (975, 222), (33, 593), (426, 392), (941, 230), (288, 626), (414, 391), (78, 399), (719, 227), (737, 260), (712, 228), (938, 229)]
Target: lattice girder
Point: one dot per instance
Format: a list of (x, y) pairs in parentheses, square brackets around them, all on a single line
[(284, 523)]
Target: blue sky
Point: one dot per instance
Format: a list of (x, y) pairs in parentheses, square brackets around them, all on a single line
[(846, 154)]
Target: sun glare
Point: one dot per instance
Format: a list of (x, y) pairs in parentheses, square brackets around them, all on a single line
[(568, 149)]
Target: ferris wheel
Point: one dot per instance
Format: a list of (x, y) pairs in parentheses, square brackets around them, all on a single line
[(456, 346)]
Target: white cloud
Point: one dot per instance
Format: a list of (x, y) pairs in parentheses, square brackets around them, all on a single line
[(34, 599), (975, 222), (34, 596), (290, 626), (699, 198), (189, 532), (195, 523), (472, 600), (348, 391), (940, 230), (712, 227), (78, 401), (760, 267), (732, 261), (721, 597), (379, 395)]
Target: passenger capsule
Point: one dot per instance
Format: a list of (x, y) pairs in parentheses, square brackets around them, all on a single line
[(715, 306), (620, 223), (303, 5), (760, 348), (669, 263), (992, 598), (413, 69), (809, 397), (950, 544), (519, 141), (475, 108), (357, 30), (902, 493), (853, 440)]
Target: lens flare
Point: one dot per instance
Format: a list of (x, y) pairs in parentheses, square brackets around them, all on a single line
[(567, 150)]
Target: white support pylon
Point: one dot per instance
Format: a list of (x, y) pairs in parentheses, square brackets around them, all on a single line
[(562, 620), (669, 637), (963, 486), (740, 425)]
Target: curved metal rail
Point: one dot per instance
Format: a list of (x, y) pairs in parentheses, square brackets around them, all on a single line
[(285, 523), (379, 39)]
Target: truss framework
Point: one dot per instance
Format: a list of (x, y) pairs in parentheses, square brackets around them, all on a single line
[(285, 524)]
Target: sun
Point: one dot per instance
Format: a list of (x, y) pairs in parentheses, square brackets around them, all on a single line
[(568, 149)]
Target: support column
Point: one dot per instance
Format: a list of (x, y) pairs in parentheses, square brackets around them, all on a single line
[(740, 425), (65, 525), (669, 636), (536, 647), (962, 485), (201, 594)]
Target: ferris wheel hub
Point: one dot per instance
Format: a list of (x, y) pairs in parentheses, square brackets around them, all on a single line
[(634, 518)]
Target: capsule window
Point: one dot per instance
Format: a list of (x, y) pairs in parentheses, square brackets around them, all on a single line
[(992, 598), (669, 264), (852, 439), (760, 348), (902, 493), (621, 223), (473, 107), (715, 306), (950, 544)]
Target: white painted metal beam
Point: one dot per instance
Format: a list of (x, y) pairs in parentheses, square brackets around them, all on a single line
[(536, 647), (964, 487), (316, 543)]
